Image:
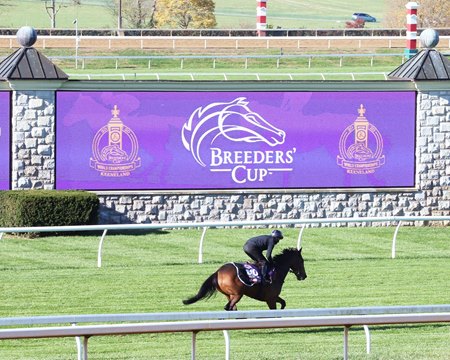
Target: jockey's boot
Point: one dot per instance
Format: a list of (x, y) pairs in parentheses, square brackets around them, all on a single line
[(266, 274)]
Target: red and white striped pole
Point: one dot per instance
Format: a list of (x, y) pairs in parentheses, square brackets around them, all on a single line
[(411, 29), (261, 20)]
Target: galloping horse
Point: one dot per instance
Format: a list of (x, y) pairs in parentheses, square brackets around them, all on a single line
[(226, 280)]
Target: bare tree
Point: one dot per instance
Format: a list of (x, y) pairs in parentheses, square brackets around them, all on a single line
[(137, 13), (53, 8)]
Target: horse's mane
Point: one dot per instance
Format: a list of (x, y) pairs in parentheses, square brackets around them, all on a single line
[(285, 252)]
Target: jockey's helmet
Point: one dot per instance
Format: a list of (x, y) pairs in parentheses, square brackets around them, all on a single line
[(277, 234)]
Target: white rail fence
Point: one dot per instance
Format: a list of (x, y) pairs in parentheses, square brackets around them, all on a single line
[(278, 59), (210, 321), (193, 76), (302, 223)]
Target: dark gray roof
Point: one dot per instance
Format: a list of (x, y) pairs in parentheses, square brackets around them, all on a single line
[(428, 64), (29, 64)]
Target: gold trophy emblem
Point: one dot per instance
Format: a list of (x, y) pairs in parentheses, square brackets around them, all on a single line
[(117, 157), (115, 128), (364, 155)]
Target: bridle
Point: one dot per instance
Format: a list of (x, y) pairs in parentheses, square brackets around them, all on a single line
[(297, 273)]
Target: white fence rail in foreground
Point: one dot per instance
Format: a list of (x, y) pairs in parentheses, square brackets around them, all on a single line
[(303, 223), (209, 321)]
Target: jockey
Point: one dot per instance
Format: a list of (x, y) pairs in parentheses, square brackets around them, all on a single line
[(256, 245)]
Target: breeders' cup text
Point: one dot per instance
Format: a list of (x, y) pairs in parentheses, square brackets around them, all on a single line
[(239, 163)]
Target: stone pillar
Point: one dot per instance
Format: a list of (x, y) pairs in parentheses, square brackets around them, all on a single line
[(33, 79), (33, 139)]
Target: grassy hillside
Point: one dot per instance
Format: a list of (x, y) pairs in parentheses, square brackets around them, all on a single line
[(229, 13)]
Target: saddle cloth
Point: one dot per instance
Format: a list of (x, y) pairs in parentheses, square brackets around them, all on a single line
[(248, 274)]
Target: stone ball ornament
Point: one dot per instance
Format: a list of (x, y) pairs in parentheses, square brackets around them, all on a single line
[(429, 38), (26, 36)]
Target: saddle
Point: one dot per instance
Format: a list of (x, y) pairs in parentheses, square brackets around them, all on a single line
[(250, 274)]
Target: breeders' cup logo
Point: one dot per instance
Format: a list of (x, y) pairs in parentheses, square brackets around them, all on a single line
[(237, 123), (115, 148), (365, 154)]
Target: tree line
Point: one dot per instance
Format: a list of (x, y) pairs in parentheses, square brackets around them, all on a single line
[(200, 14), (150, 14)]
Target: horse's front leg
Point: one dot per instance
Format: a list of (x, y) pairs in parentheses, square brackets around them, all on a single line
[(282, 302), (272, 304)]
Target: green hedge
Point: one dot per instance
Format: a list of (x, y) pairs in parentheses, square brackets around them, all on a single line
[(24, 208)]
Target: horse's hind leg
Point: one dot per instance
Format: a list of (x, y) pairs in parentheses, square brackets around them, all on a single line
[(282, 302), (234, 299)]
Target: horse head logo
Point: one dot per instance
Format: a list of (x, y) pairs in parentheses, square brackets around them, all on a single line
[(233, 120)]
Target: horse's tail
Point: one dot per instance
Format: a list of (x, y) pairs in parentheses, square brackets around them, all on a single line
[(207, 289)]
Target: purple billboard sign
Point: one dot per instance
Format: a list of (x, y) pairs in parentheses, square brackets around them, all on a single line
[(235, 140), (5, 149)]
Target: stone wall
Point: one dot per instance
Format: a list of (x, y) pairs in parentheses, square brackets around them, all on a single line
[(33, 163)]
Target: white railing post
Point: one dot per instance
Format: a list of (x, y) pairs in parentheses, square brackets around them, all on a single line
[(100, 247), (394, 240), (299, 241), (193, 344), (85, 347), (227, 344), (367, 332), (200, 247), (79, 347), (346, 328)]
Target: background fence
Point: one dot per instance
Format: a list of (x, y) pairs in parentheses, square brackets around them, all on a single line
[(233, 224)]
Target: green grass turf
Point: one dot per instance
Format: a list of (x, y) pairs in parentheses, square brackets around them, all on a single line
[(153, 272), (318, 14), (299, 68)]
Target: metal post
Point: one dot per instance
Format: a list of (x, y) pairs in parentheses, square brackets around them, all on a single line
[(85, 348), (346, 328), (299, 241), (367, 332), (100, 246), (227, 344), (394, 240), (79, 347), (261, 17), (200, 247), (194, 337), (76, 42), (119, 16), (411, 29)]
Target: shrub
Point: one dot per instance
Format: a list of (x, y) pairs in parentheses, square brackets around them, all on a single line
[(27, 208), (356, 24)]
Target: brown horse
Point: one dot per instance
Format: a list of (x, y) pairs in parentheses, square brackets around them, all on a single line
[(226, 281)]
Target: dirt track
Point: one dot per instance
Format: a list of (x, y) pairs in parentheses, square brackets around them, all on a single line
[(214, 43)]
